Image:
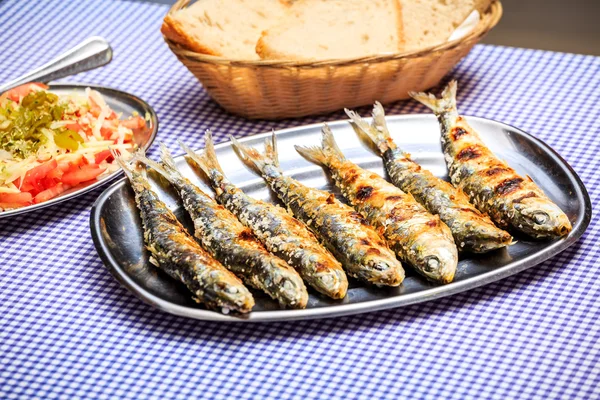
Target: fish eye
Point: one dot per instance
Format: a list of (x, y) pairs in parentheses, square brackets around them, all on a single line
[(540, 217), (432, 263)]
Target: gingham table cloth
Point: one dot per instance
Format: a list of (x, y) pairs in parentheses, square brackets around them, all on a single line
[(68, 330)]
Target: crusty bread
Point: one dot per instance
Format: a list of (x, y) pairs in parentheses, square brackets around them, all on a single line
[(228, 28), (431, 22), (328, 29)]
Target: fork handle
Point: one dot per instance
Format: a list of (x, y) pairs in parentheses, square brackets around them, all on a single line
[(92, 53)]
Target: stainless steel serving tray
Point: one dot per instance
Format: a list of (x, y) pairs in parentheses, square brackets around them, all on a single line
[(117, 234), (120, 102)]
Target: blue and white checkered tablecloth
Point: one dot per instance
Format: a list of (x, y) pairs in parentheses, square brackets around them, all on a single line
[(68, 330)]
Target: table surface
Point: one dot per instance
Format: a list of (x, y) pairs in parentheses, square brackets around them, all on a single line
[(69, 330)]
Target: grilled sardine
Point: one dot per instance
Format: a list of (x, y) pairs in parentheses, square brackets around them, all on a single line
[(472, 230), (362, 252), (230, 242), (495, 188), (176, 252), (281, 233), (417, 237)]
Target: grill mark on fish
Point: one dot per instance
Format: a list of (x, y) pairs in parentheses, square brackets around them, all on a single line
[(458, 132), (494, 171), (468, 153), (432, 223), (246, 234), (395, 198), (525, 196), (373, 251), (353, 178), (470, 210), (508, 186), (364, 193)]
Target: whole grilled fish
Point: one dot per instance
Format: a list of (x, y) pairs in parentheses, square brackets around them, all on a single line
[(230, 242), (176, 252), (416, 236), (362, 252), (278, 230), (473, 231), (495, 188)]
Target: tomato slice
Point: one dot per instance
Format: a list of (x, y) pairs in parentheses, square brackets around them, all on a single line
[(66, 165), (101, 156), (16, 94), (22, 198), (95, 109), (56, 173), (34, 175), (134, 123), (50, 193), (83, 174), (75, 127)]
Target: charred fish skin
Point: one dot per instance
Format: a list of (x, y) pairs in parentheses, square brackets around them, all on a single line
[(362, 252), (174, 250), (418, 237), (473, 231), (495, 188), (234, 245), (281, 233)]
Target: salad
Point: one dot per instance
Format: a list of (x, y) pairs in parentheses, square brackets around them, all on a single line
[(50, 143)]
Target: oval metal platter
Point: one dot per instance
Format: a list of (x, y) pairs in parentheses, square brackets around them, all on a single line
[(117, 234), (120, 102)]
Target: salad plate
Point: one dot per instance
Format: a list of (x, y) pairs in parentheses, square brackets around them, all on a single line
[(117, 231), (121, 103)]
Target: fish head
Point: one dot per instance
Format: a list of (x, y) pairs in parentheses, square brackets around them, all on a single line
[(385, 271), (291, 291), (331, 281), (477, 237), (436, 257), (228, 292), (540, 218)]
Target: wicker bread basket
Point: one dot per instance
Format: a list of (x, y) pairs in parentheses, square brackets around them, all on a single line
[(276, 89)]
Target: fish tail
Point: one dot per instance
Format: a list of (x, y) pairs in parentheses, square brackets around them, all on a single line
[(167, 160), (166, 172), (380, 138), (130, 166), (207, 160), (444, 104), (254, 159), (322, 155)]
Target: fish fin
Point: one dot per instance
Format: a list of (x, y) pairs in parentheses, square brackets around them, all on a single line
[(378, 138), (206, 160), (445, 103), (314, 154), (253, 158), (322, 155), (271, 149)]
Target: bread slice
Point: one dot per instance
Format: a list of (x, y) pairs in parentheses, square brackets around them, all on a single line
[(228, 28), (329, 29), (431, 22)]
